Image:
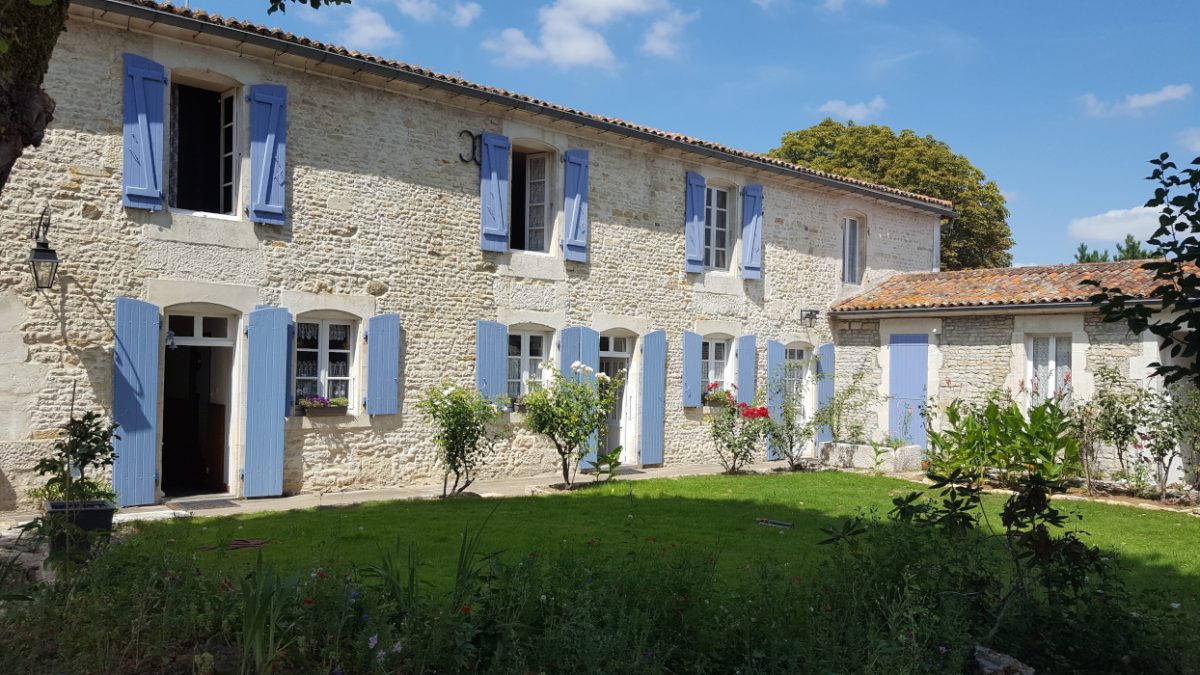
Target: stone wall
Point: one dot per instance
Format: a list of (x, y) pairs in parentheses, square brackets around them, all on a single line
[(383, 218)]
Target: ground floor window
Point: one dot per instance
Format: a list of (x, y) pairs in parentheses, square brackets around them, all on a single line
[(794, 372), (324, 359), (714, 361), (1049, 362), (526, 353)]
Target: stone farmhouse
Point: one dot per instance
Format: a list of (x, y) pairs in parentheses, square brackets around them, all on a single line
[(247, 217)]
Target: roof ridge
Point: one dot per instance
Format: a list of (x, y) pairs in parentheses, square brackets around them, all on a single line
[(241, 24)]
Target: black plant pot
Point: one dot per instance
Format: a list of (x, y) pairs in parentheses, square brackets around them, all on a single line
[(82, 522)]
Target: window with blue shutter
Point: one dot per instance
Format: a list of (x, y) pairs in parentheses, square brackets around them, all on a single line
[(383, 364), (569, 340), (589, 356), (135, 401), (693, 224), (266, 396), (142, 136), (575, 205), (493, 193), (268, 156), (775, 387), (752, 232), (491, 349), (654, 396), (747, 366), (825, 369), (693, 389)]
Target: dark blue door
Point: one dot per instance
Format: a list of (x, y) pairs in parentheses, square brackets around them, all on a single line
[(909, 363)]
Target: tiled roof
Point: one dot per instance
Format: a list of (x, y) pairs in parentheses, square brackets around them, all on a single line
[(199, 15), (1044, 285)]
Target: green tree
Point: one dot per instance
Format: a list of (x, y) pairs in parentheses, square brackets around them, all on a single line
[(29, 30), (1130, 249), (978, 237)]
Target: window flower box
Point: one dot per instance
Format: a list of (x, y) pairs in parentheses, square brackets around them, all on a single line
[(319, 406)]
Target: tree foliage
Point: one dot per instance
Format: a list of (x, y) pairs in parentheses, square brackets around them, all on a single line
[(1173, 314), (978, 237), (1130, 249)]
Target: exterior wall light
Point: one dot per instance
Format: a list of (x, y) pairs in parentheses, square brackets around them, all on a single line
[(43, 261)]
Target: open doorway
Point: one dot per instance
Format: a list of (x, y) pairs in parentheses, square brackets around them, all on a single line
[(616, 353), (197, 383)]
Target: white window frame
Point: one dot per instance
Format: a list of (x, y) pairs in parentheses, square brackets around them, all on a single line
[(531, 372), (547, 218), (710, 227), (1051, 364), (850, 249), (795, 373), (710, 366), (229, 116), (323, 378), (228, 211), (197, 339)]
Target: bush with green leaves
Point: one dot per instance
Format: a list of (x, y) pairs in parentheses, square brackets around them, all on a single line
[(469, 427), (84, 449), (1172, 421), (788, 433), (572, 410), (736, 432), (846, 412)]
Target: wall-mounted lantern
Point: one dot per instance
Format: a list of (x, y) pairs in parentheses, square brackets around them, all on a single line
[(809, 316), (43, 261)]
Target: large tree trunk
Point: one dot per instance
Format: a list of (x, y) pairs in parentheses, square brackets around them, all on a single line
[(28, 33)]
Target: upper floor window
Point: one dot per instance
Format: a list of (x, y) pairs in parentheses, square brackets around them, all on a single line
[(530, 219), (202, 167), (852, 250), (714, 362), (526, 352), (325, 359), (717, 239), (1049, 362)]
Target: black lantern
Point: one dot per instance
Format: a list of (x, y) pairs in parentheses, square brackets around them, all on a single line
[(43, 261), (809, 317)]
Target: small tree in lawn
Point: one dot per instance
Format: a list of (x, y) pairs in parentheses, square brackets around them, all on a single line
[(1173, 419), (572, 411), (788, 432), (736, 431), (468, 429)]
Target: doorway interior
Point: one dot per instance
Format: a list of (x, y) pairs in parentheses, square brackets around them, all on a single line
[(197, 388)]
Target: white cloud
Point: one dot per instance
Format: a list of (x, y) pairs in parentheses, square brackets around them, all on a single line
[(839, 5), (465, 14), (663, 37), (1190, 139), (859, 112), (1112, 226), (769, 4), (569, 33), (1134, 104), (418, 10), (366, 29)]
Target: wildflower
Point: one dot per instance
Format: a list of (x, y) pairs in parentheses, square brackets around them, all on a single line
[(448, 390), (353, 595), (942, 649), (603, 377), (372, 641), (1174, 605), (466, 609), (308, 601), (321, 575), (577, 366), (381, 656), (397, 647)]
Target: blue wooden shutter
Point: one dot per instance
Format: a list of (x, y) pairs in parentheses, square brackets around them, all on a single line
[(589, 355), (575, 205), (693, 224), (268, 156), (825, 366), (493, 193), (142, 167), (135, 401), (908, 361), (491, 359), (747, 365), (568, 349), (654, 396), (775, 384), (752, 232), (693, 389), (266, 396), (383, 364), (289, 396)]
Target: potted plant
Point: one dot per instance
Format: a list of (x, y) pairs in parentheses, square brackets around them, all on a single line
[(319, 406), (717, 397), (78, 506)]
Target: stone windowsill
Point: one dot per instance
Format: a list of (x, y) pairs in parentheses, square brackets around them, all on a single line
[(718, 282), (532, 265)]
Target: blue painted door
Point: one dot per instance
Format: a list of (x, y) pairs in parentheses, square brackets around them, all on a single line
[(826, 362), (909, 364), (266, 397), (135, 402), (654, 396)]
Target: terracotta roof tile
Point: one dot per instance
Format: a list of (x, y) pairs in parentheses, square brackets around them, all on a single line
[(1044, 285), (218, 20)]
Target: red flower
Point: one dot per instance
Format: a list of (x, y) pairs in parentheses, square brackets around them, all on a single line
[(321, 575), (466, 609), (308, 601)]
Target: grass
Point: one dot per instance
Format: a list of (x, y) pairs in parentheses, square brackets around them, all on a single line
[(1159, 551)]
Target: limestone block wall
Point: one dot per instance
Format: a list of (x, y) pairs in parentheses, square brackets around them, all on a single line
[(384, 218)]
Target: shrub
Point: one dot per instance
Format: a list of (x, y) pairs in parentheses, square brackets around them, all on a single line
[(572, 411), (788, 432), (85, 446), (846, 411), (736, 432), (468, 429)]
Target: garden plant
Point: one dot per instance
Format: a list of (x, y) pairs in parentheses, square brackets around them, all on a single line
[(572, 410), (468, 429), (737, 431)]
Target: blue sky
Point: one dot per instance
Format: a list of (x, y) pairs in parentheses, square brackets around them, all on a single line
[(1061, 103)]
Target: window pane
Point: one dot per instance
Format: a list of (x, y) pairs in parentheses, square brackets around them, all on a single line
[(305, 388), (339, 364), (720, 240), (514, 345), (708, 197), (1062, 364), (514, 389), (719, 351), (215, 326), (514, 368), (306, 364), (535, 345), (719, 260), (1041, 369), (308, 335), (537, 169), (339, 336), (704, 349), (722, 197), (535, 370), (339, 389), (603, 343), (619, 345), (182, 326)]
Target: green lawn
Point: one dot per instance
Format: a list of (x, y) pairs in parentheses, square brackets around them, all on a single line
[(1160, 551)]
